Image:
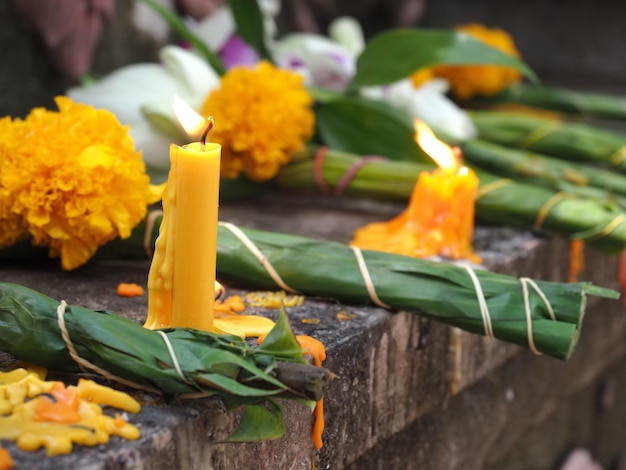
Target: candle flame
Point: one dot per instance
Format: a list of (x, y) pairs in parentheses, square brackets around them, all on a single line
[(445, 157), (220, 290), (191, 122)]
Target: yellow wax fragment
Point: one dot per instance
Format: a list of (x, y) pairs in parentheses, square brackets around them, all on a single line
[(244, 326), (90, 390)]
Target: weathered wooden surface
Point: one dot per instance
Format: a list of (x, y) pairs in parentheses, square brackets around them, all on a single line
[(392, 404)]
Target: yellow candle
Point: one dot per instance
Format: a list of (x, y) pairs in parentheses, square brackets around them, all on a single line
[(181, 282), (195, 235)]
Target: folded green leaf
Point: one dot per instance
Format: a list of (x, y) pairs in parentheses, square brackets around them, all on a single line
[(363, 126), (260, 422), (281, 339), (396, 54)]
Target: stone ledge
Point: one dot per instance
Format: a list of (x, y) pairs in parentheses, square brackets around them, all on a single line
[(392, 402)]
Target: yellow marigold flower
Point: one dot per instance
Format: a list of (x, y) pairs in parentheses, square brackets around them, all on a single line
[(12, 227), (70, 180), (467, 81), (263, 116)]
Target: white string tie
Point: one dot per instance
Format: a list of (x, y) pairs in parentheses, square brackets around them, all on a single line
[(482, 302), (249, 244), (170, 349), (367, 279)]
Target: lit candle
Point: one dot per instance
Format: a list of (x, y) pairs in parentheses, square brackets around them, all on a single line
[(440, 217), (181, 282)]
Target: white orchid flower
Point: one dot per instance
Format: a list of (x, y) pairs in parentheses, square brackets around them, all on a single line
[(330, 63), (428, 103), (141, 96)]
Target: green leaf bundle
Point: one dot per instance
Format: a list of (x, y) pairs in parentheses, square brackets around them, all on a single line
[(443, 292), (601, 223), (211, 364), (550, 172), (571, 141), (584, 103)]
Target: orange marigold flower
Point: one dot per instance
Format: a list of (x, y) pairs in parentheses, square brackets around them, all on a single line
[(467, 81), (70, 180), (263, 116)]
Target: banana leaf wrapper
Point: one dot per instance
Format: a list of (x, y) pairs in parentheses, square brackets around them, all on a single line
[(546, 171), (588, 104), (500, 201), (443, 292), (211, 364), (570, 141)]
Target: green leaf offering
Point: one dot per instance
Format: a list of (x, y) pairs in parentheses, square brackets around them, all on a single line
[(550, 172), (122, 350), (396, 54), (584, 103), (549, 136), (545, 316)]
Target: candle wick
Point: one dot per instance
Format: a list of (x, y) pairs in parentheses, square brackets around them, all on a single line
[(207, 132)]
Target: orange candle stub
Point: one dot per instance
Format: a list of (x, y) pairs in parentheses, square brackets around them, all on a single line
[(181, 281), (440, 217), (443, 209)]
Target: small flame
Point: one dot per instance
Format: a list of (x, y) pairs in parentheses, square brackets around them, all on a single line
[(191, 122), (444, 155), (220, 290)]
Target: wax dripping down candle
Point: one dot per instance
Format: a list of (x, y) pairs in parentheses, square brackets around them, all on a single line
[(440, 217), (181, 282)]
